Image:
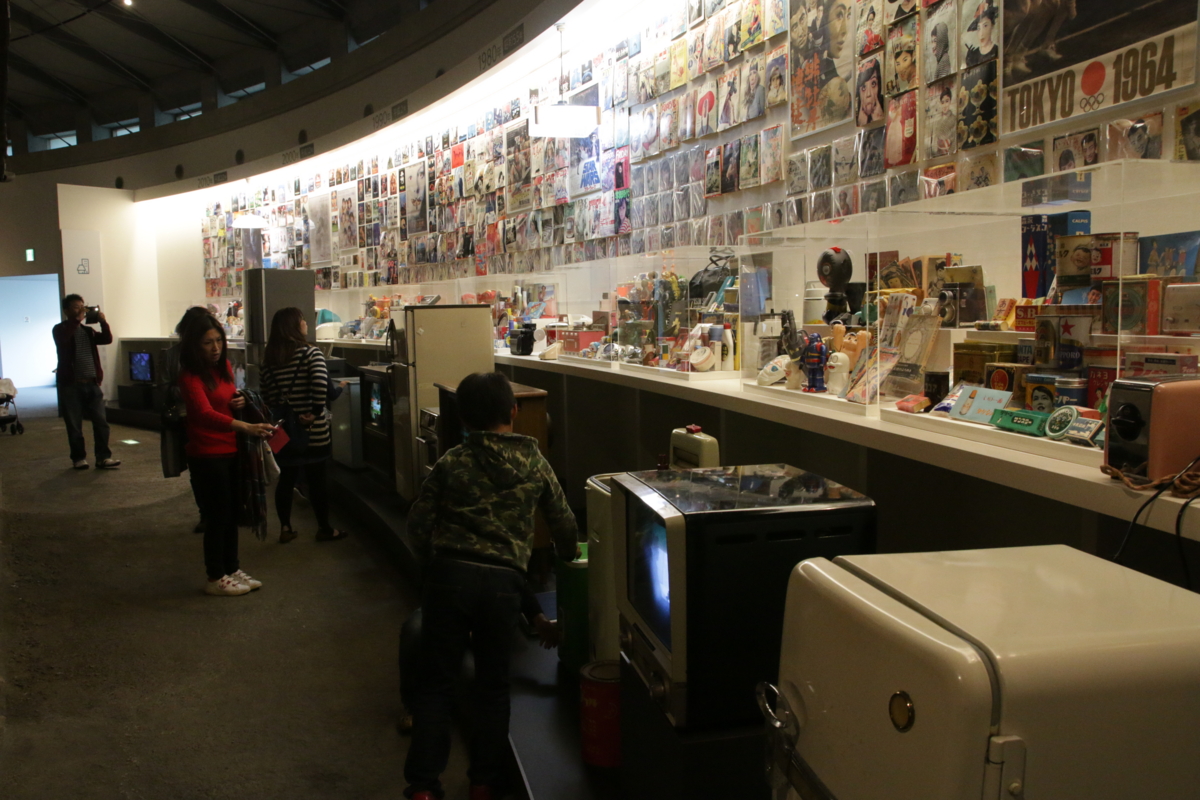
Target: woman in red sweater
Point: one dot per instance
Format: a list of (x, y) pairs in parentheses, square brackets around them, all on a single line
[(206, 384)]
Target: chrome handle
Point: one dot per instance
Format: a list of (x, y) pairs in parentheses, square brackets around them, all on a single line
[(779, 717)]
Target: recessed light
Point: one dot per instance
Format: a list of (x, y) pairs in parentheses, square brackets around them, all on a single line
[(130, 441), (128, 2)]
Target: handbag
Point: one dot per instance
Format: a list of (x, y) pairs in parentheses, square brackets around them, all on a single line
[(173, 436), (289, 420), (710, 279)]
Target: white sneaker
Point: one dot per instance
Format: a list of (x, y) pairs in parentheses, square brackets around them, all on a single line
[(243, 578), (227, 586)]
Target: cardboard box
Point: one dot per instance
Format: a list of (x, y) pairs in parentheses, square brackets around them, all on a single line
[(1143, 364), (1099, 378), (1181, 308), (1026, 318)]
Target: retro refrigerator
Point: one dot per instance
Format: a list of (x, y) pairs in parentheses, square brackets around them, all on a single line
[(435, 344), (1041, 673)]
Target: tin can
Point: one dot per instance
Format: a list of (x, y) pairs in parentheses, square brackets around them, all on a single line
[(600, 713), (1025, 350), (1041, 392), (1045, 341), (1070, 391)]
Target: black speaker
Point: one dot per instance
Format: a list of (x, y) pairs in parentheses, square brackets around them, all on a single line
[(139, 397)]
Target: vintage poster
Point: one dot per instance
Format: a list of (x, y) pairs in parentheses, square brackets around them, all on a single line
[(687, 116), (870, 153), (869, 36), (978, 107), (1075, 150), (940, 180), (845, 201), (777, 76), (1187, 132), (904, 188), (979, 38), (941, 119), (797, 172), (1062, 58), (706, 108), (978, 172), (940, 41), (748, 172), (731, 165), (668, 124), (752, 24), (899, 9), (754, 87), (714, 43), (729, 99), (845, 160), (349, 218), (1169, 255), (678, 75), (712, 171), (820, 167), (777, 18), (868, 94), (695, 12), (1140, 137), (901, 141), (771, 154), (820, 206), (872, 195), (695, 53), (903, 49), (733, 30), (318, 208), (1023, 161), (821, 63)]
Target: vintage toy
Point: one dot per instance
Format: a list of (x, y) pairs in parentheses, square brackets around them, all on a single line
[(815, 354), (835, 268), (837, 372), (774, 371)]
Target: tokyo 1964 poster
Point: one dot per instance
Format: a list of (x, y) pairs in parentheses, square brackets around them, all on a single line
[(1063, 58)]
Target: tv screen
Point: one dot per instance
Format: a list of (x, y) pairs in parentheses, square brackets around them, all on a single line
[(141, 367), (649, 577), (376, 403)]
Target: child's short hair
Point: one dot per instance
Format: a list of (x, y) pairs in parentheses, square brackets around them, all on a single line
[(485, 400)]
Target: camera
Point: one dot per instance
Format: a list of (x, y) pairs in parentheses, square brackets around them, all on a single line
[(93, 315)]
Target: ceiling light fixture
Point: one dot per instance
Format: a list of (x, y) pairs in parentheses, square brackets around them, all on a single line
[(128, 2), (563, 119)]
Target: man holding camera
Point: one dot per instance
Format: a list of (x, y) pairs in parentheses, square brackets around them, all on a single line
[(79, 377)]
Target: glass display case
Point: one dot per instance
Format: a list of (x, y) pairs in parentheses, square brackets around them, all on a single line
[(987, 312)]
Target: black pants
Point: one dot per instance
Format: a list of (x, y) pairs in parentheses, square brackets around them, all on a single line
[(79, 401), (463, 602), (217, 486), (318, 492)]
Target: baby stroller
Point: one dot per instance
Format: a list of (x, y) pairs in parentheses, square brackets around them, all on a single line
[(8, 408)]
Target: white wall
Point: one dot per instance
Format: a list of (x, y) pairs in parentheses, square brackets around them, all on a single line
[(29, 309), (129, 263)]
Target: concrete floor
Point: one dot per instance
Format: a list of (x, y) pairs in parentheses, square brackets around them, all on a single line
[(123, 680)]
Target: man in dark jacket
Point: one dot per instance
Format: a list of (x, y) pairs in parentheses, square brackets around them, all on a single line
[(79, 376), (473, 522)]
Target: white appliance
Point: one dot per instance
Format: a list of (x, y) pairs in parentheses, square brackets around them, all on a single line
[(434, 344), (1027, 672), (604, 627)]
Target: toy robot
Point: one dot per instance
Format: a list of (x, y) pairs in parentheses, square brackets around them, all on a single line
[(816, 353)]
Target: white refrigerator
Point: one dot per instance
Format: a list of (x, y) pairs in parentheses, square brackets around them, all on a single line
[(435, 344), (1026, 672)]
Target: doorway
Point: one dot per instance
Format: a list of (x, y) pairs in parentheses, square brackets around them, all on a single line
[(29, 309)]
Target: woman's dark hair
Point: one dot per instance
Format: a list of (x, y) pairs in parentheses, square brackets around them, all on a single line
[(485, 400), (191, 355), (191, 315), (285, 337), (1064, 158), (864, 75)]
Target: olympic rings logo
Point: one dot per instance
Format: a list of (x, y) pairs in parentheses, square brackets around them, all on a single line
[(1091, 103)]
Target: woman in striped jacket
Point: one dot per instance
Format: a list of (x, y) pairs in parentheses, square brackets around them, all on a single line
[(294, 373)]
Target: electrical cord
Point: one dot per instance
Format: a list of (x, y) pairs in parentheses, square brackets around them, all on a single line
[(1185, 484)]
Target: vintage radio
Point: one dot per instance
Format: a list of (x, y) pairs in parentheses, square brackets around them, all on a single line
[(1181, 308), (1152, 428)]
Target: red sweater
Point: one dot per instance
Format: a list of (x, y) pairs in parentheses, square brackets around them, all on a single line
[(209, 421)]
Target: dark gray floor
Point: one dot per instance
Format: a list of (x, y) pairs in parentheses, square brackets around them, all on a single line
[(123, 680)]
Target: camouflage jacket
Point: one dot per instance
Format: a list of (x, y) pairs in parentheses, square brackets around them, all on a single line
[(480, 498)]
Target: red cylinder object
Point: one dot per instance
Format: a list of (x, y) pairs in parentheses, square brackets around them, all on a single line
[(600, 713)]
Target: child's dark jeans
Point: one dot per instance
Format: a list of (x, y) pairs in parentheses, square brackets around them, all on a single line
[(464, 603)]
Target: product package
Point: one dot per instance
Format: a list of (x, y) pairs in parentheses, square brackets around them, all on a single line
[(1145, 364), (971, 359), (1008, 378), (1138, 304), (976, 404)]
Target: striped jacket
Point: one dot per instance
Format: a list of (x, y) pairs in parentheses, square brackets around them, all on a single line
[(305, 382)]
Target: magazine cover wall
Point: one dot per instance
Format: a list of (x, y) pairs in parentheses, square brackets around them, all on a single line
[(1063, 58)]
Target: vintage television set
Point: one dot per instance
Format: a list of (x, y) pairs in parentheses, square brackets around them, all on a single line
[(701, 565), (138, 395), (141, 366), (377, 421)]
